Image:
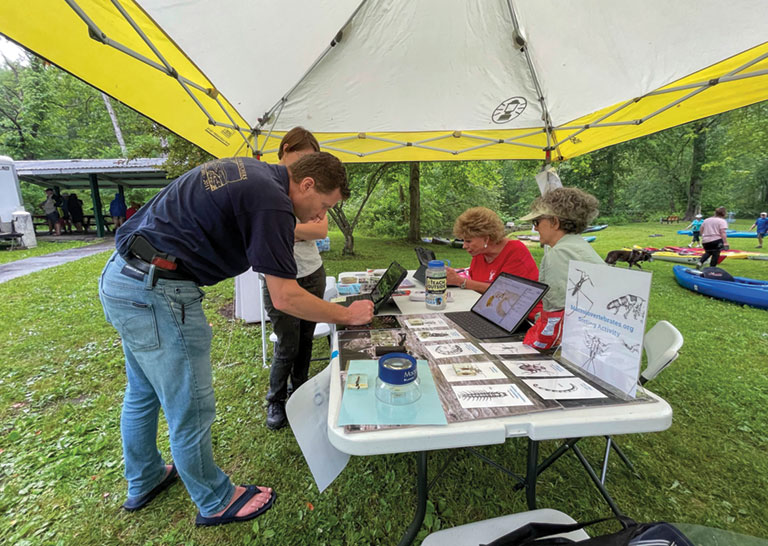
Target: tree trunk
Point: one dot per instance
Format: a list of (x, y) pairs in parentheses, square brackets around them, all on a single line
[(697, 163), (337, 215), (115, 125), (414, 225), (611, 189)]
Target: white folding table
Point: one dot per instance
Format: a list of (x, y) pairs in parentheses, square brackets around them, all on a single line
[(559, 424)]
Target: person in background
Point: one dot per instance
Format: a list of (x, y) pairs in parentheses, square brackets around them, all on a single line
[(492, 253), (117, 211), (762, 228), (75, 207), (51, 212), (293, 348), (713, 238), (560, 215), (66, 225), (131, 210), (695, 227)]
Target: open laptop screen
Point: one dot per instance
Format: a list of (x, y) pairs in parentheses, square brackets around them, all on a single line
[(508, 300)]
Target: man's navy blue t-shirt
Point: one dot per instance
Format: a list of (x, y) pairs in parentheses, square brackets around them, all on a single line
[(220, 218), (761, 224)]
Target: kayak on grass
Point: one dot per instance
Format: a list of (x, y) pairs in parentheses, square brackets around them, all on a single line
[(728, 232), (590, 229), (741, 290)]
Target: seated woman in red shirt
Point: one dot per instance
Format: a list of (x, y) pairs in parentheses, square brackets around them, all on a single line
[(492, 253)]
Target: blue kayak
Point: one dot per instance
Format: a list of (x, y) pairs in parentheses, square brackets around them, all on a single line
[(729, 232), (590, 229), (740, 290)]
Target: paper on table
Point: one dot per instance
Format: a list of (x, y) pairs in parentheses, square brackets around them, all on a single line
[(452, 350), (307, 410), (509, 348), (425, 323), (490, 396), (471, 371), (567, 388), (361, 407), (438, 335), (536, 368)]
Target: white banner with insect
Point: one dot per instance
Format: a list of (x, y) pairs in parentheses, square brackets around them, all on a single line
[(604, 322)]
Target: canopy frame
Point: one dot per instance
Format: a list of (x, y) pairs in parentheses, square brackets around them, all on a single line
[(100, 36)]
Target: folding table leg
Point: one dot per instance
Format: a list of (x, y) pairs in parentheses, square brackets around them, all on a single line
[(421, 502), (532, 473), (596, 480)]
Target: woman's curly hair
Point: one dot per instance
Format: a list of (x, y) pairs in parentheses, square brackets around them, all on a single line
[(574, 208), (479, 222)]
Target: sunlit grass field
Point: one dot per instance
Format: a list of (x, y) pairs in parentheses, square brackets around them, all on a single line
[(62, 381)]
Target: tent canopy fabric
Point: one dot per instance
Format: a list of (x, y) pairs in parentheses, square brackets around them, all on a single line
[(397, 80)]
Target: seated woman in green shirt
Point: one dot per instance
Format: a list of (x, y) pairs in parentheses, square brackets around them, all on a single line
[(559, 216)]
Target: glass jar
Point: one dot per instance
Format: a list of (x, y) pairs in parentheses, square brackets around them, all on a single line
[(398, 380), (436, 285)]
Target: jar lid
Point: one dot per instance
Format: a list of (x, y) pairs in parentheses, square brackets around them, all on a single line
[(436, 263), (397, 368)]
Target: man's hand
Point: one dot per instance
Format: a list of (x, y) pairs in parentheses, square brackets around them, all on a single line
[(360, 312)]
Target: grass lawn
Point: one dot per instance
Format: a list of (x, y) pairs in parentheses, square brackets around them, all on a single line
[(62, 381), (43, 247)]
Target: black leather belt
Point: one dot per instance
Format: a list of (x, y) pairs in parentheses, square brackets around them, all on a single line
[(141, 268)]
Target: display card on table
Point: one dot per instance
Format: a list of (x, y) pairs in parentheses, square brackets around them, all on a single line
[(509, 348), (564, 388), (536, 368), (490, 396), (471, 371), (438, 335), (604, 322), (452, 350)]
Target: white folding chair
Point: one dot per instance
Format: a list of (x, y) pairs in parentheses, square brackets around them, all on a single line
[(662, 345), (489, 530), (322, 329)]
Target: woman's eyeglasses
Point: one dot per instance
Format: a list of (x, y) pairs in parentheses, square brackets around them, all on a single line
[(536, 221)]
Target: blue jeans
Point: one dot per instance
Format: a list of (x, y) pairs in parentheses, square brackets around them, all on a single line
[(167, 345)]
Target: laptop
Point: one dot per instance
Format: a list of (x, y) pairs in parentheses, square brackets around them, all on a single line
[(382, 292), (424, 257), (502, 310)]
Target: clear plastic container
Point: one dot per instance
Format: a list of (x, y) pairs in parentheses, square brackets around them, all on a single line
[(398, 381), (436, 285)]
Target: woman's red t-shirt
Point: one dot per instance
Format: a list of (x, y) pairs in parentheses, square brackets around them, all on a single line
[(514, 259)]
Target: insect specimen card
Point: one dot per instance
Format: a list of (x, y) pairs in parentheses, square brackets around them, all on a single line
[(490, 396), (437, 335), (423, 322), (604, 322), (509, 348), (568, 388), (471, 371), (450, 350), (536, 368)]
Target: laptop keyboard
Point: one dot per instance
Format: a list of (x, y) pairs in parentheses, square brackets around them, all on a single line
[(476, 325)]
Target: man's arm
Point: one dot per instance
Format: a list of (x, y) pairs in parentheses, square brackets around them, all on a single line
[(753, 226), (288, 297), (311, 231)]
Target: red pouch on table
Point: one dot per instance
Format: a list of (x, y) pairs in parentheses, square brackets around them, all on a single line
[(547, 331)]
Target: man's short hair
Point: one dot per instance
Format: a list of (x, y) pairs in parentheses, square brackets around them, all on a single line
[(298, 139), (325, 169)]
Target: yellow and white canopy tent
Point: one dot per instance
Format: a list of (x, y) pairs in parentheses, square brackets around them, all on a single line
[(405, 80)]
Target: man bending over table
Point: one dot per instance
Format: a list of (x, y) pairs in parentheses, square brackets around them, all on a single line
[(210, 224)]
